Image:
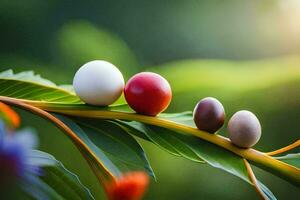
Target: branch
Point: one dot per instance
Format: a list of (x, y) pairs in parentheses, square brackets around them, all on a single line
[(75, 139), (284, 149), (254, 181), (262, 160)]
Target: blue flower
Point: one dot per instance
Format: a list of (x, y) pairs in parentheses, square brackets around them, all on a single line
[(19, 162)]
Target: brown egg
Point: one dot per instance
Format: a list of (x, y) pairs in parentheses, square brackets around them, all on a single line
[(209, 115)]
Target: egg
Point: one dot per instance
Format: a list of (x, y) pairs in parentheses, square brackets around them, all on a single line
[(209, 115), (244, 129), (148, 93), (98, 83)]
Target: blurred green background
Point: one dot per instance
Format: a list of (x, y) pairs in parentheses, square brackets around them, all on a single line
[(245, 53)]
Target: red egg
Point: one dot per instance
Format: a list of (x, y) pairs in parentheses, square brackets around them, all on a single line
[(148, 93)]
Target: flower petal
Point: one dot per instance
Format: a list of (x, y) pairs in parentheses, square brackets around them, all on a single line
[(2, 133), (130, 186), (9, 115), (27, 138)]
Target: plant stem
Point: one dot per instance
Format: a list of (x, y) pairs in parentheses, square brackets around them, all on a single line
[(262, 160), (285, 149), (104, 175), (254, 180)]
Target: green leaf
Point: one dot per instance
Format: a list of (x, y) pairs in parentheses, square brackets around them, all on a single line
[(268, 195), (42, 159), (57, 182), (38, 189), (160, 137), (292, 159), (97, 151), (120, 146), (184, 118), (27, 85), (117, 149), (26, 76), (258, 158), (65, 183), (172, 132), (192, 148)]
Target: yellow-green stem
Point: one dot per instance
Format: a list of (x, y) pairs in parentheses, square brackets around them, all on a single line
[(284, 149), (254, 180), (258, 158), (262, 160)]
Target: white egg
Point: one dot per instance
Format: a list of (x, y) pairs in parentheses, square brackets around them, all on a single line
[(98, 83), (244, 129)]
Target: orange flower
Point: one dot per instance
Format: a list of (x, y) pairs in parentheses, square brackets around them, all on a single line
[(130, 186), (9, 115)]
